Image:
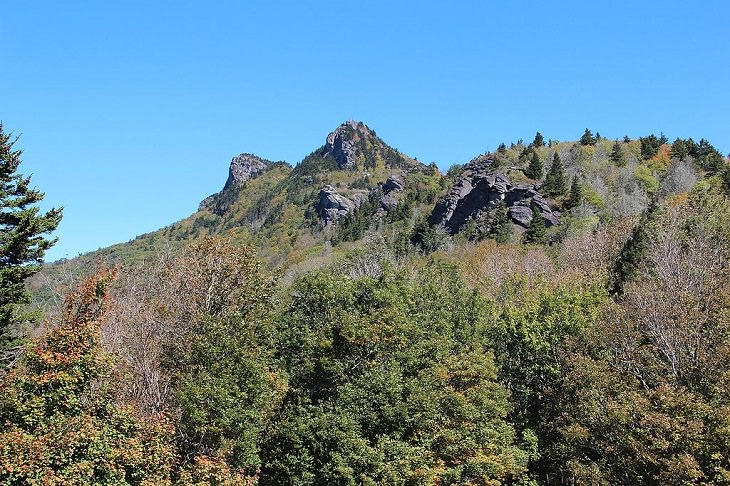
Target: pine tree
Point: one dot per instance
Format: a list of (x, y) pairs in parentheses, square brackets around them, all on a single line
[(555, 183), (576, 194), (536, 230), (22, 244), (539, 140), (500, 228), (534, 170), (587, 138), (680, 150), (617, 155)]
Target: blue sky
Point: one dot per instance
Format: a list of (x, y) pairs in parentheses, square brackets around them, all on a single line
[(131, 111)]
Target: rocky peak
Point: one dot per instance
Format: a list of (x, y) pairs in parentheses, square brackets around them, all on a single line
[(355, 146), (244, 167), (341, 143)]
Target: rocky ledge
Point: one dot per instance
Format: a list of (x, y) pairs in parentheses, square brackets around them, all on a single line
[(243, 168), (332, 206), (479, 190)]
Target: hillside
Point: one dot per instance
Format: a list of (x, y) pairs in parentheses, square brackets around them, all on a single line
[(547, 313), (356, 184)]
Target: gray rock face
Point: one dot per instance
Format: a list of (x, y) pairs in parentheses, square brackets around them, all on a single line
[(341, 145), (331, 206), (479, 190), (394, 183), (243, 168)]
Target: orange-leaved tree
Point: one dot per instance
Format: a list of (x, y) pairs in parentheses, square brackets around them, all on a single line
[(59, 420)]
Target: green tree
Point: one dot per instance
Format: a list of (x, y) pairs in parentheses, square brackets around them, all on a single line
[(680, 149), (225, 384), (555, 183), (534, 169), (587, 138), (576, 194), (391, 382), (59, 419), (539, 141), (649, 146), (617, 155), (500, 227), (536, 229), (22, 241)]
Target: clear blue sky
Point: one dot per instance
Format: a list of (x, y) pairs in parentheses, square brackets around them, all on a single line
[(131, 111)]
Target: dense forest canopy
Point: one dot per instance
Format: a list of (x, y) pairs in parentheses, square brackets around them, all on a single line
[(549, 313)]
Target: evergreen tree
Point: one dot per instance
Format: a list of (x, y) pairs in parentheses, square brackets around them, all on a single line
[(576, 194), (587, 138), (650, 146), (534, 170), (680, 149), (536, 230), (617, 155), (500, 228), (539, 140), (22, 244), (555, 183)]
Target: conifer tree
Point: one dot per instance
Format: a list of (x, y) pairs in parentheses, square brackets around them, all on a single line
[(536, 230), (534, 170), (539, 140), (576, 194), (587, 138), (617, 155), (22, 240), (555, 183)]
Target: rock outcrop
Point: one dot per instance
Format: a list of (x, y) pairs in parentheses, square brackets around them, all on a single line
[(243, 168), (341, 145), (479, 190), (390, 187), (331, 206)]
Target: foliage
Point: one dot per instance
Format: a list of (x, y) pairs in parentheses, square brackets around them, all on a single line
[(555, 183), (576, 194), (617, 155), (60, 423), (221, 365), (539, 140), (587, 138), (536, 229), (390, 383), (427, 237), (649, 146), (534, 169), (22, 240)]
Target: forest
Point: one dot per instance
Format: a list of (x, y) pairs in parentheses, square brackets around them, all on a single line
[(579, 336)]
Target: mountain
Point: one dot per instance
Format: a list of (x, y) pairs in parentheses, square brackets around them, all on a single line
[(547, 313), (355, 184)]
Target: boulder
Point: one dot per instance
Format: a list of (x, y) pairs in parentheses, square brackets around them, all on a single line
[(331, 206), (393, 184)]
